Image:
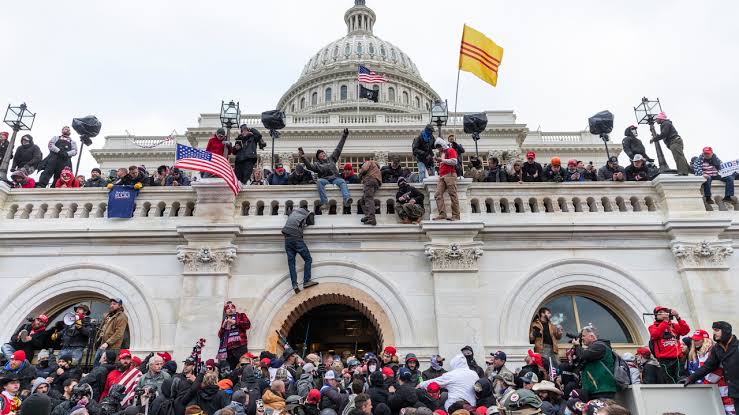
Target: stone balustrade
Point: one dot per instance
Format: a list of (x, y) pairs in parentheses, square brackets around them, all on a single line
[(479, 202)]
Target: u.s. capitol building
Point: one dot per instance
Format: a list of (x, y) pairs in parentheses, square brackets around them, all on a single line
[(597, 252)]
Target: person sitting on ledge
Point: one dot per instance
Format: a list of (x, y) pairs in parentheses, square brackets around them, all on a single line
[(325, 167), (611, 171), (707, 164)]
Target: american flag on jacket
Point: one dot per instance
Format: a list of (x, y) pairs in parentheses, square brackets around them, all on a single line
[(199, 160), (368, 76), (129, 379)]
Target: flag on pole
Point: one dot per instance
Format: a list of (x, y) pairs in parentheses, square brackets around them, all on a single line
[(480, 55), (370, 94), (205, 161), (370, 77), (552, 371)]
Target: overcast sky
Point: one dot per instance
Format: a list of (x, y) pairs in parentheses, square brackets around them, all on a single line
[(152, 66)]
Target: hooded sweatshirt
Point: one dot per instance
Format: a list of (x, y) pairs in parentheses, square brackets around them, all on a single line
[(632, 145), (459, 382), (27, 155), (67, 179), (296, 223)]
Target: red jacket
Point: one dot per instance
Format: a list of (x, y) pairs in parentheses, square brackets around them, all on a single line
[(237, 335), (667, 348), (216, 146), (445, 169)]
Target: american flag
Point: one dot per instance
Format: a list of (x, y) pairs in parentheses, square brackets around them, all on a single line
[(552, 371), (129, 379), (200, 160), (370, 77)]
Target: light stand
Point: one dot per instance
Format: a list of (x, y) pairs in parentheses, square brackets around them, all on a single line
[(230, 117), (606, 139), (274, 121), (475, 124), (645, 113), (18, 118), (602, 124)]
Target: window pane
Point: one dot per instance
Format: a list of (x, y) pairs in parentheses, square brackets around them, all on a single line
[(343, 92), (564, 314), (608, 325)]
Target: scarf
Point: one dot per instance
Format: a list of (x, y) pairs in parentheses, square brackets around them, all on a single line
[(435, 364), (15, 402)]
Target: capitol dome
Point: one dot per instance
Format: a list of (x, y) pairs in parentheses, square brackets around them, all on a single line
[(328, 82)]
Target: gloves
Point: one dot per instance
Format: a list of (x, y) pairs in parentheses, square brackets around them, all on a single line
[(109, 186), (138, 186)]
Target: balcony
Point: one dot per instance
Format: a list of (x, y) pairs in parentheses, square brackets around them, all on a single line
[(501, 206)]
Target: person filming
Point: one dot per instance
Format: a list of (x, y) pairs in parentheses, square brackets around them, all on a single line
[(665, 342)]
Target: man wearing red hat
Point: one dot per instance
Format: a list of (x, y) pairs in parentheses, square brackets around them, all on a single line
[(532, 171), (29, 337), (650, 369), (665, 341), (707, 164), (21, 367), (126, 374), (673, 141), (387, 358)]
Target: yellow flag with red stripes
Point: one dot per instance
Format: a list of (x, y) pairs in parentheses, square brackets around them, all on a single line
[(480, 55)]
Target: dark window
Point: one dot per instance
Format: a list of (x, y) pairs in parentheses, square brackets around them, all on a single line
[(574, 312)]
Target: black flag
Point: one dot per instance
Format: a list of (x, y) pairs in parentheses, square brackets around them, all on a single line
[(370, 94)]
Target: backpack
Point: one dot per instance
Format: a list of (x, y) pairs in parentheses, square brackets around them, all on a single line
[(621, 373)]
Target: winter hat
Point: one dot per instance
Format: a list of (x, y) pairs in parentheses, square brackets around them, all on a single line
[(661, 116), (725, 330), (314, 396), (19, 355), (4, 134), (699, 334), (628, 357), (388, 372), (348, 166), (38, 382), (18, 173), (318, 153), (404, 374), (390, 350), (440, 142), (433, 387), (44, 355), (165, 356), (225, 384), (36, 404), (221, 131), (687, 341), (170, 367), (210, 363), (556, 161), (571, 162), (43, 318), (309, 368)]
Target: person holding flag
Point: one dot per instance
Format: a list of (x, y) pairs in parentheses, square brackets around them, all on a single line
[(205, 161)]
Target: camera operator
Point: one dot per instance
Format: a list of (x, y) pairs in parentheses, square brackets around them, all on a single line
[(144, 397), (110, 335), (81, 397), (111, 404), (99, 374), (665, 342), (245, 150)]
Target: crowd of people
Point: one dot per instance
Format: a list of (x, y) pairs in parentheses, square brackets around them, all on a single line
[(584, 379), (433, 155)]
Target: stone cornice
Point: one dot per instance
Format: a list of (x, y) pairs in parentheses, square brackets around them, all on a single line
[(704, 255)]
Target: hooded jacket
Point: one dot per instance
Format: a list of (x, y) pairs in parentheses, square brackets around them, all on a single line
[(248, 149), (377, 391), (423, 147), (326, 169), (217, 146), (665, 338), (484, 393), (27, 156), (67, 179), (404, 396), (25, 372), (272, 400), (632, 145), (472, 363), (296, 223), (459, 382), (211, 398)]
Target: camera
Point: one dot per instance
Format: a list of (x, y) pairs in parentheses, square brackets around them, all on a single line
[(81, 390)]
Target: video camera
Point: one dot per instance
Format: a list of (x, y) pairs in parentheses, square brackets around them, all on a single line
[(79, 391)]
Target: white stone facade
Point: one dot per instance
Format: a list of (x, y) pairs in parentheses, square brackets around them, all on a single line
[(430, 288)]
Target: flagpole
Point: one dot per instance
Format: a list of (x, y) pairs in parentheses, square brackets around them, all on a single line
[(358, 65), (456, 97)]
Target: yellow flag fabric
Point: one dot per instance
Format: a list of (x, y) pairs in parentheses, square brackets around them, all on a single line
[(480, 55)]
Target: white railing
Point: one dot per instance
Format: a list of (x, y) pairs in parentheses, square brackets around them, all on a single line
[(122, 142)]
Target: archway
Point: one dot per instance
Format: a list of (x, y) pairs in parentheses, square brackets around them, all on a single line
[(335, 328)]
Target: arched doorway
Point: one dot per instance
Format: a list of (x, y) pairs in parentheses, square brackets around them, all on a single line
[(336, 329)]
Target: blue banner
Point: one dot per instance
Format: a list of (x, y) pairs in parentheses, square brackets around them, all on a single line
[(121, 201)]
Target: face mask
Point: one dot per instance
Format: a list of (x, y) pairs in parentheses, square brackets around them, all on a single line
[(372, 368)]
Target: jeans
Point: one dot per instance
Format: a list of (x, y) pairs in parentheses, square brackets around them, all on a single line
[(728, 180), (297, 247), (75, 352), (337, 181), (423, 171)]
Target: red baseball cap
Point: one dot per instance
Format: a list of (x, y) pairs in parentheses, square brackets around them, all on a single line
[(165, 356), (123, 354), (530, 155), (314, 396), (136, 360), (387, 372), (481, 410), (643, 351), (390, 350), (537, 358), (264, 362), (433, 387), (707, 150), (43, 317), (19, 355), (699, 334), (249, 355)]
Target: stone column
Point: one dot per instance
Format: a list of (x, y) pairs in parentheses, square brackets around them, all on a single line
[(207, 259), (453, 254)]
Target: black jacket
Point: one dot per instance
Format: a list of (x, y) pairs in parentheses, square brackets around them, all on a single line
[(181, 388), (404, 396), (726, 356), (70, 373), (496, 176), (4, 144), (430, 373), (248, 150), (555, 176), (99, 182), (637, 174), (667, 132), (391, 174), (76, 337), (209, 399), (305, 178), (379, 395), (423, 151), (26, 374), (97, 377), (327, 169), (27, 155), (531, 170), (633, 145), (409, 192), (485, 395)]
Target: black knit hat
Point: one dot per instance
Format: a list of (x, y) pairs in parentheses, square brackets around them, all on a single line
[(36, 404), (725, 330), (319, 153)]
